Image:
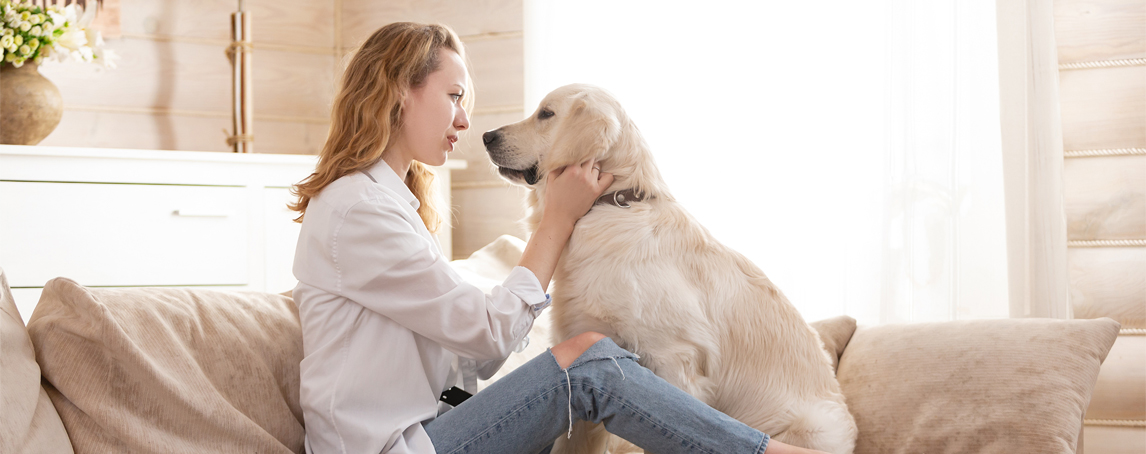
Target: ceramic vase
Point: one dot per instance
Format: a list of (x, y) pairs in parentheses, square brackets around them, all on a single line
[(30, 105)]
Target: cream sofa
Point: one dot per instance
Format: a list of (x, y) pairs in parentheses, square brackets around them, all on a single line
[(175, 370)]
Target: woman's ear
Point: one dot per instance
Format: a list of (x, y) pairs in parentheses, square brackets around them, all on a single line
[(589, 130)]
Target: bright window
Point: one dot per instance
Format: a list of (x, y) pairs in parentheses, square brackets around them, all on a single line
[(850, 149)]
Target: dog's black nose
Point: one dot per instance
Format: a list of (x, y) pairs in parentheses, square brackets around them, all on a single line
[(490, 137)]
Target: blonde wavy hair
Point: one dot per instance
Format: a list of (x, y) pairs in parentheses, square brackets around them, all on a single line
[(367, 113)]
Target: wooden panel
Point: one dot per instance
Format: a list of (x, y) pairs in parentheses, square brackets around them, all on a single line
[(292, 84), (162, 235), (498, 70), (1114, 440), (1099, 29), (1103, 108), (107, 19), (1120, 392), (178, 132), (360, 18), (283, 22), (470, 147), (284, 137), (139, 131), (1109, 282), (150, 74), (1105, 198), (190, 76), (484, 214)]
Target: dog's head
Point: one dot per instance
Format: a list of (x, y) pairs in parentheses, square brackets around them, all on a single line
[(573, 124)]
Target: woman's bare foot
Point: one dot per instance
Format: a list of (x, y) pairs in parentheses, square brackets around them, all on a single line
[(775, 447)]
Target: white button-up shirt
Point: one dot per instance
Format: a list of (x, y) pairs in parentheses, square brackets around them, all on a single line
[(384, 317)]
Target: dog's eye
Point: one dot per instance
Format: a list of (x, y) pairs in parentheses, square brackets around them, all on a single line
[(545, 113)]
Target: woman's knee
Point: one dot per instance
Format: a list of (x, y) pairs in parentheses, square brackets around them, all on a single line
[(569, 350)]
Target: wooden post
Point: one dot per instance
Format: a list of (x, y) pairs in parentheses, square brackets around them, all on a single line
[(242, 94)]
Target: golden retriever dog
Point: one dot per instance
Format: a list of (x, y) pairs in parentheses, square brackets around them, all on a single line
[(641, 270)]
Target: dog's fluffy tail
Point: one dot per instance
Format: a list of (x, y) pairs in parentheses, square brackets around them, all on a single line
[(825, 425)]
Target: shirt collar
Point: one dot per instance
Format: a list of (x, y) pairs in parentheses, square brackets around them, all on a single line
[(384, 175)]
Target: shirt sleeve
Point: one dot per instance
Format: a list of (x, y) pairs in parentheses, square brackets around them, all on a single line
[(387, 266)]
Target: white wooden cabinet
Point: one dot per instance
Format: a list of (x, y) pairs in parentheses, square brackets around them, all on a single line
[(132, 218)]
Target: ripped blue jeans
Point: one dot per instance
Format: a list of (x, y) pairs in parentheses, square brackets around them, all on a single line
[(526, 410)]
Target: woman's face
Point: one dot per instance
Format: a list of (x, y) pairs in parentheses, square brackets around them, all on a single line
[(432, 113)]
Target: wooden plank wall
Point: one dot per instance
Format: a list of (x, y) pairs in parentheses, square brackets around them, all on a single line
[(484, 206), (172, 89), (1102, 81)]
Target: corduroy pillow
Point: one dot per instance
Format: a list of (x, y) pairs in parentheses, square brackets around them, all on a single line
[(28, 423), (171, 370), (835, 333), (983, 386)]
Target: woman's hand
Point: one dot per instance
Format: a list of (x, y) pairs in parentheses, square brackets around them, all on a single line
[(571, 191)]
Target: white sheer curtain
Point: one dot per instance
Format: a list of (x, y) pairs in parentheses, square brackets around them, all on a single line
[(850, 149), (1033, 160)]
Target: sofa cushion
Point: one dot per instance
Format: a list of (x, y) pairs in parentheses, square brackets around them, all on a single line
[(835, 333), (29, 423), (489, 266), (171, 370), (984, 386)]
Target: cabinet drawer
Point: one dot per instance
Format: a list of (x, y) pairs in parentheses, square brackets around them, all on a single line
[(281, 233), (123, 234)]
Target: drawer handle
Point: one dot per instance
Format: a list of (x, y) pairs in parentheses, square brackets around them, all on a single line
[(201, 214)]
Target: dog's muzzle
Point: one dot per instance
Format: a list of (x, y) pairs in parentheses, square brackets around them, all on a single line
[(490, 138), (493, 144), (529, 176)]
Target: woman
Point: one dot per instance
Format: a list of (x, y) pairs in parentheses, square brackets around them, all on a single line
[(385, 318)]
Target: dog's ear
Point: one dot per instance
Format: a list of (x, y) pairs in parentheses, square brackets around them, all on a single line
[(589, 129)]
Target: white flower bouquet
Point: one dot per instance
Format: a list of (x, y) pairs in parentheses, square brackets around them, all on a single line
[(31, 32)]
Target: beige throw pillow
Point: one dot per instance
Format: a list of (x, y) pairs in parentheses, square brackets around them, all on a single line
[(983, 386), (489, 266), (169, 370), (28, 421), (835, 332)]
